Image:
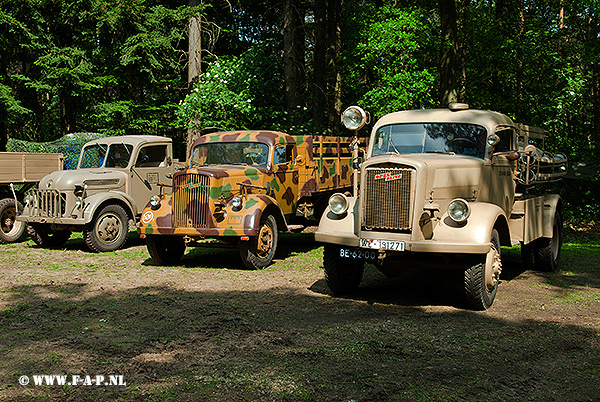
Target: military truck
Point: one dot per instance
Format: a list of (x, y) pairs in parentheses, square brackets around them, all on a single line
[(104, 196), (20, 171), (447, 188), (241, 188)]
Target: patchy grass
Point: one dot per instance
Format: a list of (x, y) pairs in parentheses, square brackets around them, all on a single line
[(209, 329)]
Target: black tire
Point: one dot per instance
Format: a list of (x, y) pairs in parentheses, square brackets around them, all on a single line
[(165, 250), (548, 249), (108, 230), (528, 255), (258, 252), (482, 277), (11, 230), (43, 236), (343, 276)]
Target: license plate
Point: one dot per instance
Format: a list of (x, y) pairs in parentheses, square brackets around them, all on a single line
[(382, 244), (358, 254)]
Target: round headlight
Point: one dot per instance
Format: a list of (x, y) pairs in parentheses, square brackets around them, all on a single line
[(236, 203), (154, 200), (338, 203), (459, 210), (354, 118)]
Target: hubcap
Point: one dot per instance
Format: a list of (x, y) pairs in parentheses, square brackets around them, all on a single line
[(493, 268), (108, 228), (265, 241), (8, 221)]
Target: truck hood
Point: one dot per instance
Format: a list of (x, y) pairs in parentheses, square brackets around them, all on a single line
[(224, 178), (447, 176), (65, 180)]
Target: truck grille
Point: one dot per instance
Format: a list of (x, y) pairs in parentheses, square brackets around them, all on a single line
[(190, 200), (48, 203), (387, 198)]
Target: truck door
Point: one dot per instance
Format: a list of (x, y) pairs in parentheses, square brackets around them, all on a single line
[(286, 177), (150, 166), (501, 173)]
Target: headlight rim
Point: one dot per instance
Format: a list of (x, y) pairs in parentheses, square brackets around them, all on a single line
[(345, 199), (234, 203), (155, 201), (467, 208)]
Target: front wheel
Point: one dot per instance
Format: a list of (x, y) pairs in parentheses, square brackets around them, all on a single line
[(11, 230), (482, 277), (108, 230), (44, 236), (343, 276), (165, 250), (258, 251)]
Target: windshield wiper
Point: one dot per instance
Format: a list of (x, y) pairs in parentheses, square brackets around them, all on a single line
[(441, 152), (395, 149)]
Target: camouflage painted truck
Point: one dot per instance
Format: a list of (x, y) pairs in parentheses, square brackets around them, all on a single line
[(241, 188), (446, 188), (104, 196), (20, 171)]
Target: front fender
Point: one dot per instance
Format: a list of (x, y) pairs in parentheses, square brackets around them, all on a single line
[(340, 229), (255, 206), (476, 231), (94, 201), (551, 206)]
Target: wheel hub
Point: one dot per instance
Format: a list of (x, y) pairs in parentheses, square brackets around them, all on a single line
[(265, 241), (108, 228), (493, 268), (8, 221)]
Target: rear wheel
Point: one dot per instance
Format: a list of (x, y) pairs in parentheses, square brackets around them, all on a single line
[(482, 277), (258, 251), (165, 250), (548, 249), (343, 276), (108, 230), (44, 236), (11, 230)]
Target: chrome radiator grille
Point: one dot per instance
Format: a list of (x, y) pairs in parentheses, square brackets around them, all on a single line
[(190, 200), (48, 203), (388, 198)]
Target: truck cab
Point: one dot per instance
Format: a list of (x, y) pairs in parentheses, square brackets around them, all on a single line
[(104, 196)]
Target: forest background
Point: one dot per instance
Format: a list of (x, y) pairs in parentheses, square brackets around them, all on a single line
[(125, 67)]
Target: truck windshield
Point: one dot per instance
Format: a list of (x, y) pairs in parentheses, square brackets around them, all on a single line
[(452, 138), (96, 155), (230, 153)]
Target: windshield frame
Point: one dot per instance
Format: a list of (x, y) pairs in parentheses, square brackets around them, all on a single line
[(469, 139), (250, 161), (107, 151)]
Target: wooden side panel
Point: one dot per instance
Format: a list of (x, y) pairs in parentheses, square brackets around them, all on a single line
[(22, 167)]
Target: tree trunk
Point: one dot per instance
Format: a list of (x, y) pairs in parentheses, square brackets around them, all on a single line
[(293, 56), (320, 66), (194, 66), (334, 84), (449, 52)]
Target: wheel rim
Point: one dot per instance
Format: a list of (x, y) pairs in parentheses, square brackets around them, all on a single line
[(108, 228), (493, 268), (265, 241), (8, 221)]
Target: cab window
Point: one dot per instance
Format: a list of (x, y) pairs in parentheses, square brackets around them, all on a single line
[(152, 156), (284, 154)]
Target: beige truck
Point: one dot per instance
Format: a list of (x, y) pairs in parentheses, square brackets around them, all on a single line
[(104, 196), (20, 171), (447, 188)]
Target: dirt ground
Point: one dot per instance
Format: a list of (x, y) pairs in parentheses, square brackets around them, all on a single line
[(211, 330)]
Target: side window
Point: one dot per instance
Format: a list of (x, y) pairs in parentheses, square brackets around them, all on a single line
[(151, 156), (284, 154), (505, 141)]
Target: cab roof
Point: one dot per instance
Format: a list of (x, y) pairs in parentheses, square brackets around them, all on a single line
[(265, 136), (129, 139), (473, 116)]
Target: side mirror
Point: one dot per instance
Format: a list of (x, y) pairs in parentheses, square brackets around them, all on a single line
[(299, 160)]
